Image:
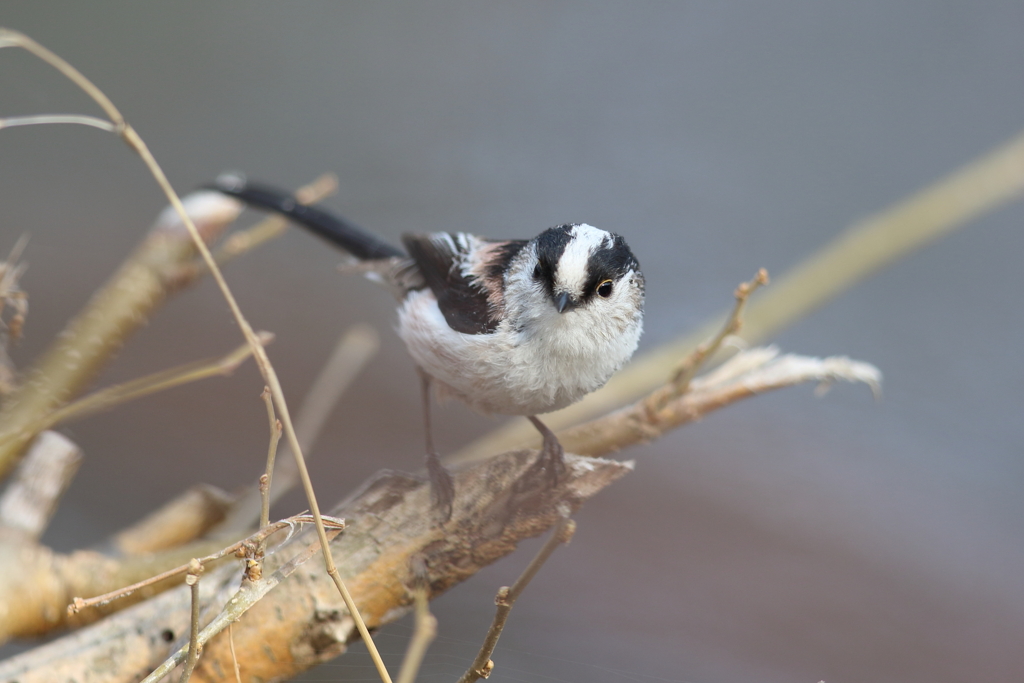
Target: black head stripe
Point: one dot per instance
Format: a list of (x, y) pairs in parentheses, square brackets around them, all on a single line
[(551, 245), (609, 263)]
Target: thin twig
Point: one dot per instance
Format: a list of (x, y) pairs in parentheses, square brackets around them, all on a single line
[(268, 475), (424, 629), (506, 597), (679, 383), (78, 604), (693, 362), (135, 141), (242, 601), (10, 327), (107, 398), (195, 569), (353, 349), (48, 119), (234, 657)]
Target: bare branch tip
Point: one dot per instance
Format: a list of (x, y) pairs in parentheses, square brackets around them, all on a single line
[(745, 289), (76, 606), (50, 119), (324, 186), (10, 37), (333, 522), (567, 531)]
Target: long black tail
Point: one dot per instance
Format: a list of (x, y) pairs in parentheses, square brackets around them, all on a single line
[(339, 232)]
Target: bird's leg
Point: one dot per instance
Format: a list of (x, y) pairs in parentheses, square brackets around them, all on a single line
[(442, 488), (551, 455)]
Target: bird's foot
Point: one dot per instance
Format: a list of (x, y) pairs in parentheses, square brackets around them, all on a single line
[(552, 459), (552, 455), (442, 487)]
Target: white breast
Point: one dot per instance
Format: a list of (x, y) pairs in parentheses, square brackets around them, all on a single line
[(516, 371)]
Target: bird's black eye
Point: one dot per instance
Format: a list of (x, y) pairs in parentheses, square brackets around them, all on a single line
[(537, 272), (604, 290)]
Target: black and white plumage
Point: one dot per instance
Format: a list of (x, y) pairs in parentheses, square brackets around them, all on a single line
[(515, 327)]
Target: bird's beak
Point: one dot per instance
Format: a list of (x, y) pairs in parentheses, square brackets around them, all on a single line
[(563, 302)]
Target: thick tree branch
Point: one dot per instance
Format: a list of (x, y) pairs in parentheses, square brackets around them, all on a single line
[(303, 621)]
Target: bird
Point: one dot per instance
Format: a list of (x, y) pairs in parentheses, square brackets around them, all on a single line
[(509, 327)]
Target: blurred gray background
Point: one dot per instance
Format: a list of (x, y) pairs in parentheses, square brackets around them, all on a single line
[(788, 538)]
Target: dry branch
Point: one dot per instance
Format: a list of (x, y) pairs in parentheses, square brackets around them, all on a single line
[(745, 375), (31, 497), (110, 397), (424, 628), (239, 603), (303, 622)]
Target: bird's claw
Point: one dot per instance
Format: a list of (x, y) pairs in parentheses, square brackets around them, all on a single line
[(442, 487)]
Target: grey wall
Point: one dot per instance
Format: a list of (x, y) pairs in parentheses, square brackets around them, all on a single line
[(786, 539)]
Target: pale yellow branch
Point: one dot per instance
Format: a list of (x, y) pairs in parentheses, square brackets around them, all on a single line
[(424, 631)]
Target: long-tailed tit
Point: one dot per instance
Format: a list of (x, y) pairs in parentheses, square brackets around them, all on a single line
[(513, 327)]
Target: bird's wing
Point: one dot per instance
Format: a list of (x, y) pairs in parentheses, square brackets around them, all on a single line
[(454, 266)]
